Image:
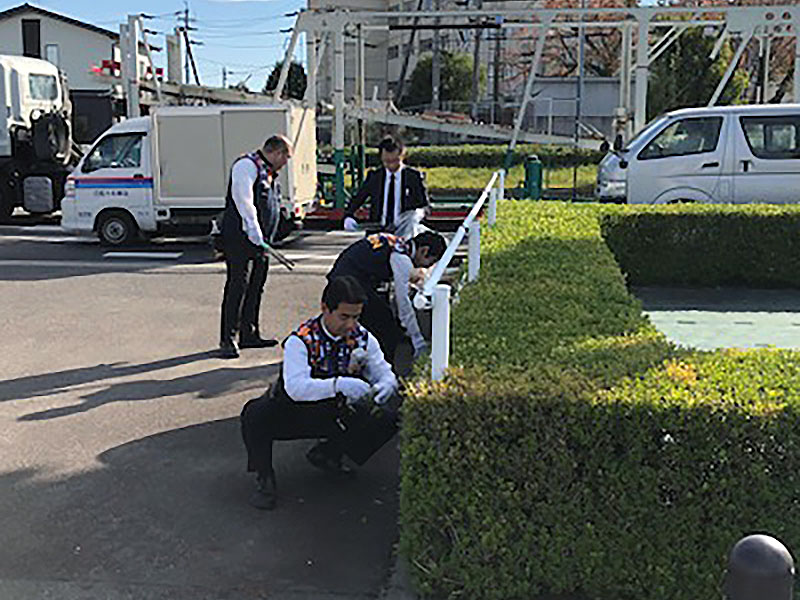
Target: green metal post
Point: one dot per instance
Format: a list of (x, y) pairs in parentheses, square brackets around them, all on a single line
[(533, 177), (338, 159)]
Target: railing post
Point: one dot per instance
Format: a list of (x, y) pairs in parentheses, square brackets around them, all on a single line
[(759, 568), (502, 190), (474, 260), (440, 331), (493, 207)]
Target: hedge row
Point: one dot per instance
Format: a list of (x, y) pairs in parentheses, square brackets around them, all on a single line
[(575, 450), (755, 245), (486, 155)]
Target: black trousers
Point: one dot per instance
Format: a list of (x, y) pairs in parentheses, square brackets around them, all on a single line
[(246, 274), (276, 417), (377, 317)]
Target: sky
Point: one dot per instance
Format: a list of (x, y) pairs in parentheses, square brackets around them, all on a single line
[(244, 36)]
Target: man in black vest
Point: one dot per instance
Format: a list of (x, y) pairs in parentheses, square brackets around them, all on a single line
[(249, 223), (334, 384), (396, 193), (383, 257)]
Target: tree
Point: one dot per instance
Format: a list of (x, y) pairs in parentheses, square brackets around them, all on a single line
[(295, 83), (456, 81), (685, 75)]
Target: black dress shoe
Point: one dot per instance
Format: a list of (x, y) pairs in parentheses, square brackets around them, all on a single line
[(324, 461), (256, 341), (228, 349), (265, 496)]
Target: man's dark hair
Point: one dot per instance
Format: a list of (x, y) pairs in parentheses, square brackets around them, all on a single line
[(434, 241), (343, 289), (390, 144), (277, 143)]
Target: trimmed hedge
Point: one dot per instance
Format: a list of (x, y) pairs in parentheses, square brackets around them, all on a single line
[(487, 155), (710, 245), (575, 450)]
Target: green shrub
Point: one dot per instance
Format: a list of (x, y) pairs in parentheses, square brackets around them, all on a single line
[(573, 449)]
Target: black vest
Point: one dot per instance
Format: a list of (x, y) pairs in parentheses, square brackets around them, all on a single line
[(266, 198), (368, 260)]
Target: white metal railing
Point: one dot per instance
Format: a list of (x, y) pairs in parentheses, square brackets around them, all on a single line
[(436, 295)]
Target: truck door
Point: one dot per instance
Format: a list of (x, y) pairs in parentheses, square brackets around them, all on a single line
[(682, 162), (115, 174), (767, 160)]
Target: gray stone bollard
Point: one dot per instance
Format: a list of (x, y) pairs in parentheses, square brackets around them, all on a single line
[(759, 568)]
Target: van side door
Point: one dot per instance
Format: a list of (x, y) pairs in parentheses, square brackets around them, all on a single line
[(682, 162), (767, 160)]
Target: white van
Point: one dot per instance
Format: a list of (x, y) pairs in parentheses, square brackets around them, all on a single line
[(168, 172), (723, 154)]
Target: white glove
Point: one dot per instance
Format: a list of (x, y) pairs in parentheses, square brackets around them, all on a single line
[(383, 390), (420, 346), (350, 224), (353, 389)]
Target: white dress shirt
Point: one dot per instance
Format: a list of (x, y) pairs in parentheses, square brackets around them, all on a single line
[(244, 175), (402, 267), (398, 194), (301, 387)]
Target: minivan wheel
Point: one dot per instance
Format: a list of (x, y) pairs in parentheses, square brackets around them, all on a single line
[(116, 229)]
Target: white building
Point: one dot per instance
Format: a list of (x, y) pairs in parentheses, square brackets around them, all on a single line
[(75, 48)]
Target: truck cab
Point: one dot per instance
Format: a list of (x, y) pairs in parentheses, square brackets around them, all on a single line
[(35, 135)]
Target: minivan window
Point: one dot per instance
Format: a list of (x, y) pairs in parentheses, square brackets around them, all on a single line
[(116, 152), (773, 137), (687, 136), (43, 87)]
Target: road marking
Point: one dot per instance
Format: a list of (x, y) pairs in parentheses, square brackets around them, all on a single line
[(144, 255)]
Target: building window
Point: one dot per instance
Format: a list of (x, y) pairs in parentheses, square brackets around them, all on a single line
[(392, 52), (51, 53), (31, 38)]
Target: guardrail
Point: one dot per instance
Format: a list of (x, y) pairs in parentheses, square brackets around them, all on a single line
[(436, 295)]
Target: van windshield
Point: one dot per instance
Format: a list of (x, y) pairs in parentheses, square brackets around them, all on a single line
[(647, 129), (43, 87)]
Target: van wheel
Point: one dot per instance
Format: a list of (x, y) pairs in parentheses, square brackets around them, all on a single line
[(116, 229)]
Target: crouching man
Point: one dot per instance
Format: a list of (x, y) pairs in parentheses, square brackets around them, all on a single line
[(334, 384)]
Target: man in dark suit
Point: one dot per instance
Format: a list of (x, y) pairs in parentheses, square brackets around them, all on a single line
[(396, 193)]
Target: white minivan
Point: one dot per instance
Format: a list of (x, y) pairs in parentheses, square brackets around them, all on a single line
[(722, 154)]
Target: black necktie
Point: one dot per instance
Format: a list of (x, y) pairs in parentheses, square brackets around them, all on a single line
[(390, 202)]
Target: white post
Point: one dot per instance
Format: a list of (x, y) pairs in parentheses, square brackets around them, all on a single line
[(642, 70), (474, 263), (492, 207), (501, 192), (440, 335)]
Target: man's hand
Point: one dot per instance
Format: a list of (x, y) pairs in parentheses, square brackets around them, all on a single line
[(350, 224), (383, 390), (354, 390)]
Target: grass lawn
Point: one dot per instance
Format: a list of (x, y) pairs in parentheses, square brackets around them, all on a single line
[(456, 177)]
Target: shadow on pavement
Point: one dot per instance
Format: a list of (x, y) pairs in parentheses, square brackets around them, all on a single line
[(51, 383), (166, 516), (209, 384)]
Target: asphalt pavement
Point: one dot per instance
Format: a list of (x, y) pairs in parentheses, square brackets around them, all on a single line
[(122, 471)]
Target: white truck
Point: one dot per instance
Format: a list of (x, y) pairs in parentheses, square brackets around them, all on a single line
[(35, 135), (168, 172)]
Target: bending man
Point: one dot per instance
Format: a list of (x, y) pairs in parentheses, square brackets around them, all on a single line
[(382, 257)]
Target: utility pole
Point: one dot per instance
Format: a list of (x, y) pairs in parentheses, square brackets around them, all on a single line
[(578, 98), (496, 77), (186, 38), (224, 78)]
